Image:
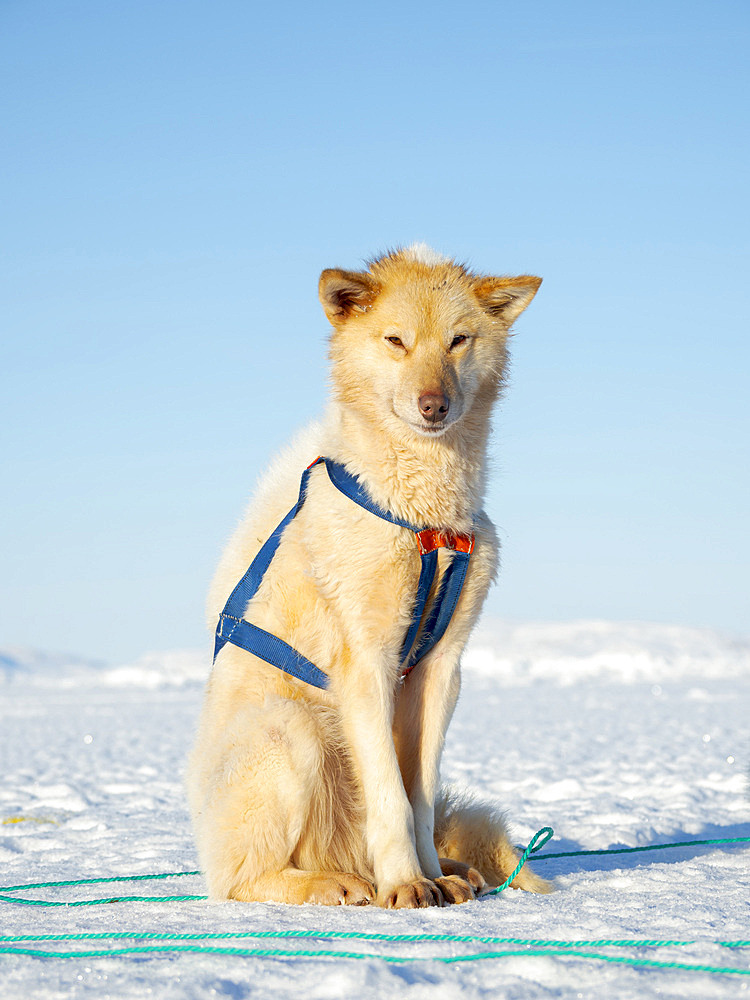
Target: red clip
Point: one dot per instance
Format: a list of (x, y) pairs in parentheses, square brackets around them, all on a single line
[(430, 539), (405, 673)]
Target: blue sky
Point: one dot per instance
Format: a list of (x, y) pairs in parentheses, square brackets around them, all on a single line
[(176, 174)]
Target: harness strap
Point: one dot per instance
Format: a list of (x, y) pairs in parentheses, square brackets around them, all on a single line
[(442, 607), (232, 626), (247, 587), (271, 649), (351, 487), (426, 578)]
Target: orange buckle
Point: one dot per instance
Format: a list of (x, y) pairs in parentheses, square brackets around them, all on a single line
[(430, 539)]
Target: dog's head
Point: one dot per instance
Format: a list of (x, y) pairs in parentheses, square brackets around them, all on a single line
[(419, 339)]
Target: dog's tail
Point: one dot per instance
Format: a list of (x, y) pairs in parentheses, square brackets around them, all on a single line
[(474, 832)]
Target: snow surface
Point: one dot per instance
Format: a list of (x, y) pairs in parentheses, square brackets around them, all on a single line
[(613, 734)]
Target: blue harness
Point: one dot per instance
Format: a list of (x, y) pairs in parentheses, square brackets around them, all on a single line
[(232, 626)]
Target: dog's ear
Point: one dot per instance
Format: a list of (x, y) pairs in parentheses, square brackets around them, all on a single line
[(506, 298), (343, 293)]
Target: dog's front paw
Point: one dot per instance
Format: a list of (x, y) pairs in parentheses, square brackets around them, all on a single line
[(412, 895)]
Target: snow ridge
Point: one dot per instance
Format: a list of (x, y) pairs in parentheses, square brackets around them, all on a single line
[(516, 653)]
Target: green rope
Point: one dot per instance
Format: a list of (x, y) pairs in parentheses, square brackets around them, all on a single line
[(92, 881), (359, 936), (532, 947), (649, 847), (536, 843), (101, 900), (449, 959)]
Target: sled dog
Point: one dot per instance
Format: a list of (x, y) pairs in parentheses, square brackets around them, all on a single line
[(323, 787)]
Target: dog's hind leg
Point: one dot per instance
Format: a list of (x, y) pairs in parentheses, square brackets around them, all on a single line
[(261, 813)]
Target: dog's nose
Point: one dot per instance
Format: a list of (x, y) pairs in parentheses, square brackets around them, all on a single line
[(434, 406)]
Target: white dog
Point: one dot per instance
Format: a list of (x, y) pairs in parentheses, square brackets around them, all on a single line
[(314, 777)]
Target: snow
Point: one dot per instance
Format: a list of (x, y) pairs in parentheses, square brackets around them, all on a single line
[(614, 734), (424, 254)]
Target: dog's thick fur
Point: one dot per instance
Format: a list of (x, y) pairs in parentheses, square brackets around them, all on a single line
[(304, 795)]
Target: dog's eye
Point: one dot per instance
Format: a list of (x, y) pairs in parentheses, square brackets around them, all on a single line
[(396, 341), (459, 339)]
